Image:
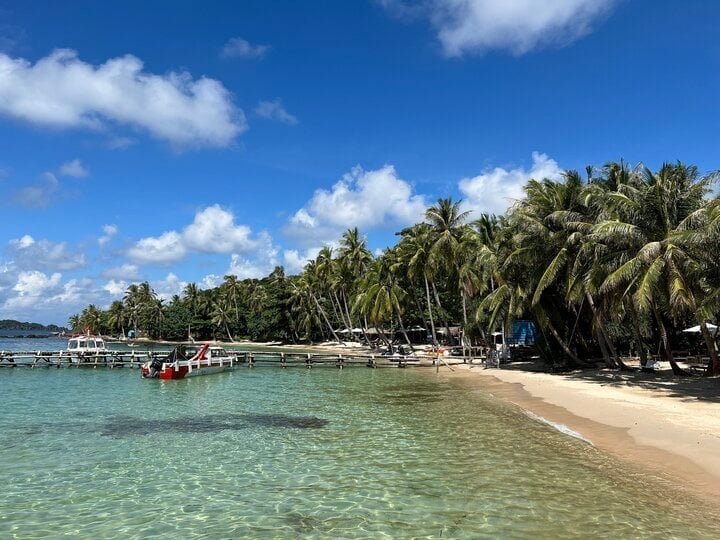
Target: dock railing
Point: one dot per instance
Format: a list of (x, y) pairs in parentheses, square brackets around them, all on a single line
[(135, 359)]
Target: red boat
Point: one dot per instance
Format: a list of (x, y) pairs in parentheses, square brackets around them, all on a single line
[(185, 362)]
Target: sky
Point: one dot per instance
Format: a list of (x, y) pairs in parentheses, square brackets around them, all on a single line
[(179, 142)]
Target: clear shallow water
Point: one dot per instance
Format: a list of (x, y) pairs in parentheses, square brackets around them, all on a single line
[(319, 453)]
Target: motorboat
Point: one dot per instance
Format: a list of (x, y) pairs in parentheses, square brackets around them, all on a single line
[(189, 361), (86, 344)]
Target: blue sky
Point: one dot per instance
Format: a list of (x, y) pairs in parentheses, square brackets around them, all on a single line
[(178, 142)]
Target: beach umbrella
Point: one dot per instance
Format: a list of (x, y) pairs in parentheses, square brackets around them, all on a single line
[(696, 329)]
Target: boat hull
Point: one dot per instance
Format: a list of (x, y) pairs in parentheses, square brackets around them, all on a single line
[(207, 361), (184, 371)]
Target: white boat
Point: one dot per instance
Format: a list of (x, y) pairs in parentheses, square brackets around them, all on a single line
[(189, 361), (86, 344)]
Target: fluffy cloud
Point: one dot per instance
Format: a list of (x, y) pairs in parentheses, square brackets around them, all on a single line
[(294, 260), (166, 248), (171, 285), (274, 110), (74, 168), (476, 26), (241, 48), (116, 288), (364, 199), (42, 254), (495, 190), (212, 231), (61, 90), (109, 232), (31, 288), (122, 272)]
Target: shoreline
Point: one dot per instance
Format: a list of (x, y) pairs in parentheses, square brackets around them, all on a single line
[(667, 427)]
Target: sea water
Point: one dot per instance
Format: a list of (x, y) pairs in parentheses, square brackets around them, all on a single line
[(306, 453)]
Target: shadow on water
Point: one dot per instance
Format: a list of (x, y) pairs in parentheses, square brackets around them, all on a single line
[(126, 426)]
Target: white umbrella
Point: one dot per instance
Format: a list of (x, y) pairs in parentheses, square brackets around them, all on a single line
[(695, 329)]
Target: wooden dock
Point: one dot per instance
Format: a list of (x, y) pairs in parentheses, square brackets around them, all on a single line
[(250, 359)]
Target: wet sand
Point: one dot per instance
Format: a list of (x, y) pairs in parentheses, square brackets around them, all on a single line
[(668, 426)]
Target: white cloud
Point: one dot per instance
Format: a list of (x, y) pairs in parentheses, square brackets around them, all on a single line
[(61, 90), (241, 48), (166, 248), (294, 260), (43, 297), (495, 190), (43, 254), (39, 195), (256, 264), (171, 285), (74, 168), (116, 288), (364, 199), (123, 272), (212, 231), (109, 232), (519, 26), (30, 289), (210, 281), (274, 110), (75, 292)]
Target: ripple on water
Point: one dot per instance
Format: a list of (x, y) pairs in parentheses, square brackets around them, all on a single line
[(308, 453)]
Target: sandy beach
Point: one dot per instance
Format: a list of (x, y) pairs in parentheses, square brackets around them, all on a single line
[(669, 426)]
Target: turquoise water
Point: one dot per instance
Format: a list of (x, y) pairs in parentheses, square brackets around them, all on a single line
[(322, 453)]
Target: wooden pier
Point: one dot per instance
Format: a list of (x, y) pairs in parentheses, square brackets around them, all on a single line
[(250, 359)]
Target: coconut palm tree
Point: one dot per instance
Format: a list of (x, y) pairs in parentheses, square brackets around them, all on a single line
[(117, 316), (222, 315), (650, 266)]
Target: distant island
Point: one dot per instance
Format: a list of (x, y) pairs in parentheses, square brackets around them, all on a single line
[(9, 324)]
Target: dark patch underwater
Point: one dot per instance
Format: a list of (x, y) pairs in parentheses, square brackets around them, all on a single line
[(126, 426)]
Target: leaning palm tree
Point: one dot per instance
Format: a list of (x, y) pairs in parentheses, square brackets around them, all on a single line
[(650, 266)]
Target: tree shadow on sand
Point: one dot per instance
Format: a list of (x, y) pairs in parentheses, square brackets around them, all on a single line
[(692, 388)]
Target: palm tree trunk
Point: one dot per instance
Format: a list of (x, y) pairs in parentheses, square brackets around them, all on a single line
[(324, 315), (439, 306), (617, 361), (677, 370), (713, 365), (396, 307), (337, 310), (429, 305), (637, 333), (349, 318), (609, 363), (564, 345), (228, 334)]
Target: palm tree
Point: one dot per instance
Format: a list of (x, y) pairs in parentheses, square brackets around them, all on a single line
[(649, 265), (381, 296), (235, 290), (117, 316), (447, 224), (414, 248), (221, 315)]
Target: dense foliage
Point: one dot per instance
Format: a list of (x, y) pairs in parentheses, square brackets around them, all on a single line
[(616, 263)]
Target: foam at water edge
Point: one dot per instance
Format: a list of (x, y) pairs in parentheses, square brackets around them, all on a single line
[(562, 428)]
